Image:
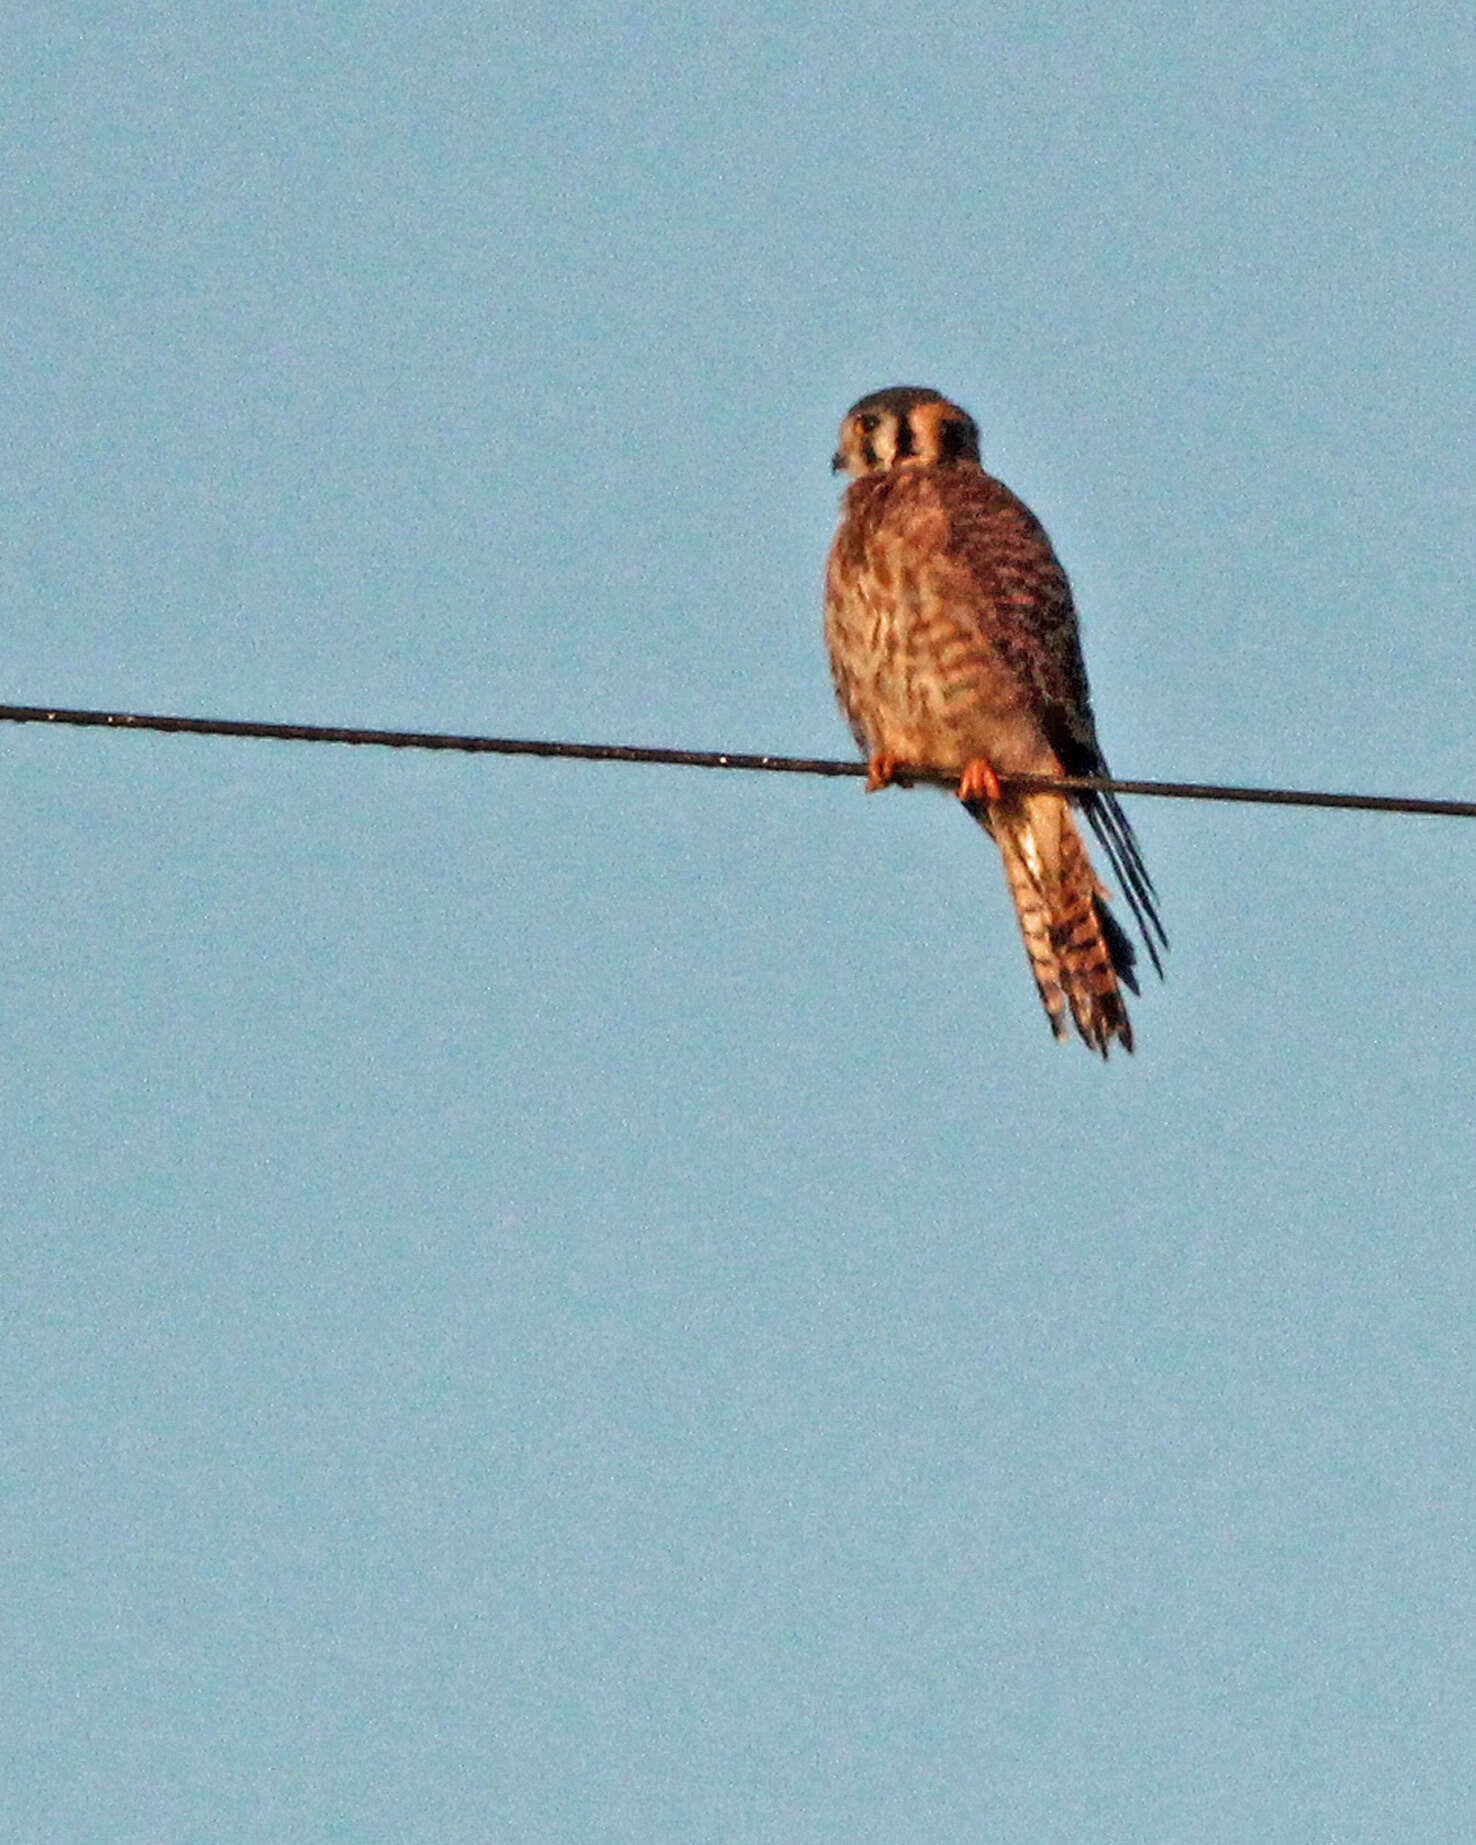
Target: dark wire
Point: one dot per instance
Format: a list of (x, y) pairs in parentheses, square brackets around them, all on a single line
[(714, 759)]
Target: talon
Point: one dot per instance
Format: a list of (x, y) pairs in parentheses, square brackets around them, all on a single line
[(879, 772), (978, 781)]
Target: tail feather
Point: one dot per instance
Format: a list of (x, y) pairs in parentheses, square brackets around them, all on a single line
[(1079, 954)]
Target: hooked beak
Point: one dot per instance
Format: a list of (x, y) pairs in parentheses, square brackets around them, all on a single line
[(837, 463)]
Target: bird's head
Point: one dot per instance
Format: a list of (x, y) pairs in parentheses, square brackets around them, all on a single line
[(904, 426)]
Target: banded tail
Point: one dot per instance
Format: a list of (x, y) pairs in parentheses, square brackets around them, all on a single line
[(1079, 953)]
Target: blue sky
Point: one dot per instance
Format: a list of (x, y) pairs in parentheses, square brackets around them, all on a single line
[(555, 1302)]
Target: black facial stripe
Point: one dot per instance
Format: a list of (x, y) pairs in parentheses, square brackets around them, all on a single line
[(868, 453), (906, 439), (956, 440)]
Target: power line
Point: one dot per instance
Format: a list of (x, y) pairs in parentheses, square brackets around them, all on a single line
[(713, 759)]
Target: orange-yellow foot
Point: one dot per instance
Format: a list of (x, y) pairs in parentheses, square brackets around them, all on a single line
[(879, 772), (978, 781)]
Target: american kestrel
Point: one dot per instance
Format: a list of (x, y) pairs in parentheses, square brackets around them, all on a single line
[(953, 645)]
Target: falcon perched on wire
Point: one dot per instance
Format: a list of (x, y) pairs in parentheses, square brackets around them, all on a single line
[(953, 644)]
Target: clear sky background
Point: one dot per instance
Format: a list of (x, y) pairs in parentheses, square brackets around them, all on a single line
[(549, 1302)]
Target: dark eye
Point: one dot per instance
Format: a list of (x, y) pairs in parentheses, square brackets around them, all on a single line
[(868, 423)]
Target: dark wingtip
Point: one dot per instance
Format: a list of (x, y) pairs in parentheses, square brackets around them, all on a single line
[(1120, 947), (1116, 837)]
